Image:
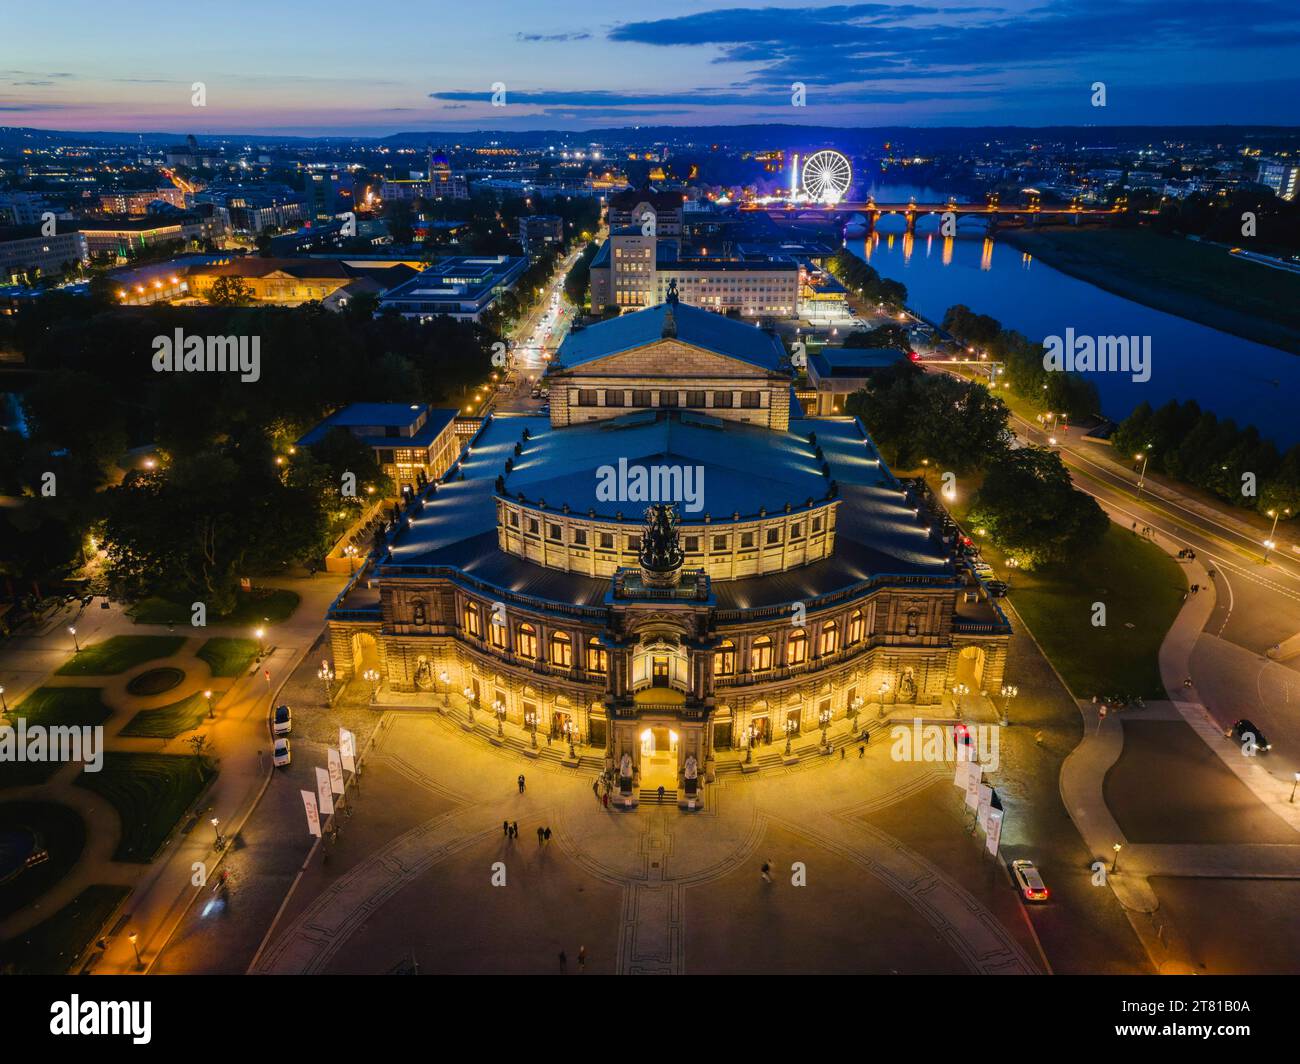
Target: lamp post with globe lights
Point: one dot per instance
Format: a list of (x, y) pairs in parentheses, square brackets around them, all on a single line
[(445, 680), (885, 687), (208, 696), (790, 728), (469, 699), (1009, 691), (371, 676), (326, 675), (76, 646), (825, 720), (499, 708), (530, 722), (959, 691)]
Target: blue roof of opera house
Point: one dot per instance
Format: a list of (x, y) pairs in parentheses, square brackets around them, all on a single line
[(701, 328), (877, 532), (379, 415)]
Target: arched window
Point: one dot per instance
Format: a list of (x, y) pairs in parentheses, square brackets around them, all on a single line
[(417, 612), (796, 647), (724, 659), (597, 656), (830, 638), (760, 654), (497, 630), (526, 644), (561, 649), (855, 628), (473, 625)]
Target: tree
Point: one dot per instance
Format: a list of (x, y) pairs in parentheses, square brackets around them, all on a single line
[(890, 336), (230, 292), (1033, 512)]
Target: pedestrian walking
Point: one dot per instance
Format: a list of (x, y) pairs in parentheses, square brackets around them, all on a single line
[(521, 783), (842, 749), (540, 835), (862, 751), (1038, 738), (606, 797), (547, 835), (514, 829), (661, 792), (582, 958), (505, 828), (595, 789), (766, 872), (564, 961)]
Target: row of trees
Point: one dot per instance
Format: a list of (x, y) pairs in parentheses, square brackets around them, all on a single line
[(1220, 218), (218, 504), (864, 281), (1026, 502), (1198, 448), (1070, 393)]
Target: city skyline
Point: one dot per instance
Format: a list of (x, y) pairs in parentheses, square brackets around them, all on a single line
[(1013, 63)]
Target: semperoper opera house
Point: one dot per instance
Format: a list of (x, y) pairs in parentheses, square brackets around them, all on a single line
[(672, 567)]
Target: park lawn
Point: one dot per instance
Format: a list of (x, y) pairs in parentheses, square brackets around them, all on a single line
[(1143, 590), (56, 942), (1141, 586), (228, 657), (261, 605), (119, 653), (151, 793), (49, 707), (60, 831), (167, 722)]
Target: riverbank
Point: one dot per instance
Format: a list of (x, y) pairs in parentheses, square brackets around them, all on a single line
[(1200, 282)]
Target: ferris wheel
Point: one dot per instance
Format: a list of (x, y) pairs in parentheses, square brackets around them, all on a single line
[(826, 176)]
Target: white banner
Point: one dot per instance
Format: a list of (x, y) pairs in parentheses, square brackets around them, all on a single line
[(336, 770), (986, 802), (323, 791), (974, 773), (313, 817), (348, 748), (994, 830), (959, 777)]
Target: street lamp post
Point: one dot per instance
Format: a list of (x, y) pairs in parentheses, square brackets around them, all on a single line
[(326, 676), (134, 939), (1294, 784), (1009, 691), (825, 723), (208, 696), (530, 720), (216, 830), (469, 698), (958, 691), (371, 676), (884, 690), (1271, 543), (1143, 475), (261, 639), (1114, 865), (4, 706), (499, 708), (445, 680), (569, 729), (351, 552), (76, 647), (790, 728)]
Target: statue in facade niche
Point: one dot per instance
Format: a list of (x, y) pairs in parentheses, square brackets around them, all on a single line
[(692, 768), (625, 767)]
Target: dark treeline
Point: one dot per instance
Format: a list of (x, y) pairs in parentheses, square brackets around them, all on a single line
[(1196, 447), (864, 281), (1070, 393)]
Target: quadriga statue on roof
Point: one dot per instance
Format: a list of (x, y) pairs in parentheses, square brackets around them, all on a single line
[(661, 552)]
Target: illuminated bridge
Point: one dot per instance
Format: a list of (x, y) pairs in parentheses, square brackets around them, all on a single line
[(992, 211)]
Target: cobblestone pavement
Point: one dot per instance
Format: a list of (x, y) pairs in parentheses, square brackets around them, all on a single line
[(657, 890)]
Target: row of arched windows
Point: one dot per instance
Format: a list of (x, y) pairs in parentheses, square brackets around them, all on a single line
[(762, 649), (559, 648)]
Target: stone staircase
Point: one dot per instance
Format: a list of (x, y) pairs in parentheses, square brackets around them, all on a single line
[(805, 747), (650, 796), (555, 753)]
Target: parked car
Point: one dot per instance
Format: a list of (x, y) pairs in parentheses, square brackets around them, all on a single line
[(281, 721), (982, 569), (1244, 731), (1028, 881), (997, 588), (281, 753)]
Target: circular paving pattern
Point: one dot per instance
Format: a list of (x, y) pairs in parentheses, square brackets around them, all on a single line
[(155, 681)]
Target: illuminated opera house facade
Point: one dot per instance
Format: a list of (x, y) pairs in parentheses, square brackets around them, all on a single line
[(783, 577)]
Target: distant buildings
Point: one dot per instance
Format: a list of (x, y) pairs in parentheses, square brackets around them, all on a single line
[(1282, 176), (438, 183), (537, 232), (120, 237), (462, 287), (408, 440), (632, 270), (639, 206), (25, 251), (136, 203), (835, 373), (289, 282)]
